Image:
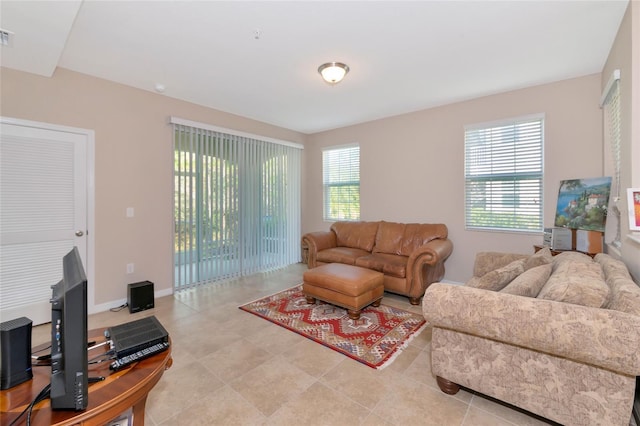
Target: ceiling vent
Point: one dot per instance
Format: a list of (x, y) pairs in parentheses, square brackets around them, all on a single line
[(6, 37)]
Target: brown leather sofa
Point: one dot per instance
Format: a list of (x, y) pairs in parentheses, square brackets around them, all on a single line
[(411, 256)]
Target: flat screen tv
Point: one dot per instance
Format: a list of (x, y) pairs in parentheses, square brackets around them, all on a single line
[(69, 381)]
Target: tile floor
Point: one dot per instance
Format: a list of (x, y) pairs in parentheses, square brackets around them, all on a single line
[(233, 368)]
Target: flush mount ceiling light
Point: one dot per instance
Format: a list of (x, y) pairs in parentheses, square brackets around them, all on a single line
[(333, 72)]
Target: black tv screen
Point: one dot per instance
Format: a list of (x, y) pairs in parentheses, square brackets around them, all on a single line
[(69, 381)]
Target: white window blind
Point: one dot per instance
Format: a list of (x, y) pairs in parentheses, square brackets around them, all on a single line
[(341, 182), (43, 203), (610, 104), (237, 205), (37, 206), (503, 175)]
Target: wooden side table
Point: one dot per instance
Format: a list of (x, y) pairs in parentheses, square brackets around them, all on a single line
[(108, 399), (537, 248)]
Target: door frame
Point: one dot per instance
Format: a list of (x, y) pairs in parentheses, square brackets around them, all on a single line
[(90, 136)]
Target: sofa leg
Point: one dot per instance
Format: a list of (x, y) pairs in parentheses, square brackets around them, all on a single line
[(310, 300), (447, 386), (353, 314), (414, 300)]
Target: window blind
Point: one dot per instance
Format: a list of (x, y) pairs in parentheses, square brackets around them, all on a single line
[(237, 205), (43, 202), (503, 175), (341, 183), (611, 109)]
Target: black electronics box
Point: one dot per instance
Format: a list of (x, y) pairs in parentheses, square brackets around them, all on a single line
[(15, 352), (140, 296)]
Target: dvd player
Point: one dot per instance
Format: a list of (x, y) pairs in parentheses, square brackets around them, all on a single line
[(136, 336)]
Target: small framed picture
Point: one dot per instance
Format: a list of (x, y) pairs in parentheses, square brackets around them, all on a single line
[(633, 200)]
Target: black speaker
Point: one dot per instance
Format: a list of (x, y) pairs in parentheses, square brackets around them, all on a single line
[(140, 296), (15, 352)]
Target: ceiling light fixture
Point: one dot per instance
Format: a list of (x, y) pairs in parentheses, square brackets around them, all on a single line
[(333, 72)]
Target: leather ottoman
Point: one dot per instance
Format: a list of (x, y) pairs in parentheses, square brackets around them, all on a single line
[(350, 287)]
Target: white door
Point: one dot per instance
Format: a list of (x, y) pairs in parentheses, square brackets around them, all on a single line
[(43, 212)]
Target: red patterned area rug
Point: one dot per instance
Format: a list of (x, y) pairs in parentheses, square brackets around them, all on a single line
[(375, 339)]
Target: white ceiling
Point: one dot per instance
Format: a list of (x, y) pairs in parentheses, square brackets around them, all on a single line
[(404, 56)]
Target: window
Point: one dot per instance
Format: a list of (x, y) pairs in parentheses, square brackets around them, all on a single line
[(341, 181), (610, 104), (237, 204), (503, 175)]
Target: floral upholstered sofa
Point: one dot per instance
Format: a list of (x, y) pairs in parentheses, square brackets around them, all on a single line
[(559, 337), (410, 255)]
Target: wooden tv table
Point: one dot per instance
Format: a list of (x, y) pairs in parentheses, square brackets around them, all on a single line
[(120, 391)]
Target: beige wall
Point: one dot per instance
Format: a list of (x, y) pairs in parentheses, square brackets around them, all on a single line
[(625, 55), (133, 164), (412, 165)]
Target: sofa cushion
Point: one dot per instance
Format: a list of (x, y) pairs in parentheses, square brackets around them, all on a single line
[(575, 281), (417, 235), (570, 257), (612, 267), (497, 279), (541, 257), (626, 297), (344, 255), (530, 282), (389, 238), (487, 261), (403, 239), (360, 235), (390, 264), (625, 294)]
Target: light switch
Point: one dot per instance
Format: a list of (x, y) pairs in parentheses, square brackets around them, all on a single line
[(129, 211)]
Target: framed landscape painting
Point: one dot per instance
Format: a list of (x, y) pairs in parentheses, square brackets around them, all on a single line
[(583, 203), (633, 200)]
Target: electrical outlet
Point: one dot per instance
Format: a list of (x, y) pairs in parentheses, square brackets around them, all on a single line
[(130, 268)]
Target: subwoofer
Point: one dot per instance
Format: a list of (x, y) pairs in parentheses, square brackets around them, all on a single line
[(140, 296), (15, 352)]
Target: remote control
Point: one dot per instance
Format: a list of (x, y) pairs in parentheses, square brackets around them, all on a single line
[(138, 356)]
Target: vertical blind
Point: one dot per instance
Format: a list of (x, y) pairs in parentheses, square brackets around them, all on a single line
[(611, 108), (237, 205), (341, 183), (503, 175), (610, 103)]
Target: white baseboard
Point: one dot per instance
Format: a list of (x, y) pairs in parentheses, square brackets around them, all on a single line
[(119, 302), (451, 282)]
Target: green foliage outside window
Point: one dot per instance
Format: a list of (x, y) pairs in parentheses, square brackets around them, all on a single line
[(344, 202), (341, 180)]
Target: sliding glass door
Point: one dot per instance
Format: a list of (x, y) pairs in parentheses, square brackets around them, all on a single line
[(237, 205)]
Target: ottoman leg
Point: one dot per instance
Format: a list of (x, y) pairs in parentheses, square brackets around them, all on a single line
[(354, 315), (376, 303), (310, 300)]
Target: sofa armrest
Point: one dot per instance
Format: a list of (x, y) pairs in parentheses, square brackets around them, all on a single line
[(426, 265), (487, 261), (317, 241), (601, 337)]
